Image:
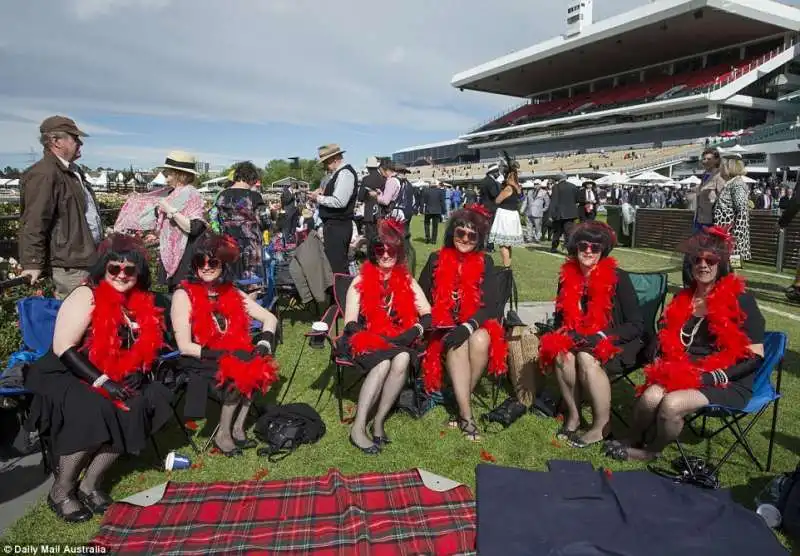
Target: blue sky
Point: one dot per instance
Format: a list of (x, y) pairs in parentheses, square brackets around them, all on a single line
[(255, 79)]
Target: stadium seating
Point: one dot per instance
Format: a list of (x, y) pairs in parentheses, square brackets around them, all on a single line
[(657, 88), (627, 160)]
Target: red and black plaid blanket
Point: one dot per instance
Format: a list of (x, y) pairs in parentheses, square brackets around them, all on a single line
[(380, 514)]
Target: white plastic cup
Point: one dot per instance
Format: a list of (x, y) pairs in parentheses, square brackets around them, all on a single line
[(770, 514), (319, 326), (174, 460)]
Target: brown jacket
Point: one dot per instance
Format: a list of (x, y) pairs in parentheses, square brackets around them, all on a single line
[(707, 193), (53, 231)]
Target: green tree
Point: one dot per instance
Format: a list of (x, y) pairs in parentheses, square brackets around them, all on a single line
[(304, 169), (11, 173)]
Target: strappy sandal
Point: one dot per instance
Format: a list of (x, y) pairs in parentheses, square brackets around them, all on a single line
[(566, 435), (617, 452), (469, 429), (454, 421)]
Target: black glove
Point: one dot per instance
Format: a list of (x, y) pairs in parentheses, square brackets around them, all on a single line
[(211, 354), (79, 365), (426, 321), (260, 349), (243, 355), (592, 341), (352, 327), (133, 382), (405, 338), (576, 338), (456, 337)]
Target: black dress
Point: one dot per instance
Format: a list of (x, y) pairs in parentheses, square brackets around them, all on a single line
[(76, 418), (739, 390), (627, 326), (201, 380)]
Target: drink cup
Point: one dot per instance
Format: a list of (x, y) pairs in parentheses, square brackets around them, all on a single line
[(174, 461)]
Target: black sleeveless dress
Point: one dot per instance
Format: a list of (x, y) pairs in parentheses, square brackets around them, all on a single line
[(76, 418)]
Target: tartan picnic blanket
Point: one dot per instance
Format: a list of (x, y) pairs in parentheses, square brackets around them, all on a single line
[(332, 515)]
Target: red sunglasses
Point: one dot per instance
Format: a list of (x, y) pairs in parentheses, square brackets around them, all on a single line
[(584, 246), (381, 250), (115, 269), (203, 262), (465, 234)]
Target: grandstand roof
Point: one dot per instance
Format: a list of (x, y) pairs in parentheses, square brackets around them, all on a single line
[(431, 146), (651, 34)]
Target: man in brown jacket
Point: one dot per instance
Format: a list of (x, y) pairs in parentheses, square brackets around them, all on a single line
[(60, 225), (707, 191)]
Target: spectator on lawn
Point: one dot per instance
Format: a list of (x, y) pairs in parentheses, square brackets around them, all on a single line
[(506, 230), (386, 314), (459, 280), (731, 210), (598, 330), (92, 395), (60, 225), (211, 319), (709, 348)]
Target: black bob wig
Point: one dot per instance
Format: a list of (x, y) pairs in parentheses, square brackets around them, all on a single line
[(211, 245), (118, 248), (593, 232), (474, 217)]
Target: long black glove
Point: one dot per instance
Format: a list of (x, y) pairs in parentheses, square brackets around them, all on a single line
[(211, 354), (407, 337), (264, 343), (79, 365), (426, 321), (456, 337), (343, 344)]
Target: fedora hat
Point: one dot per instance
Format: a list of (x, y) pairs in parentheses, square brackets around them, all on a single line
[(329, 151), (61, 123), (183, 161), (373, 162)]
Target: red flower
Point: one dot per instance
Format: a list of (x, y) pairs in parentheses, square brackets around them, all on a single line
[(260, 474), (486, 456)]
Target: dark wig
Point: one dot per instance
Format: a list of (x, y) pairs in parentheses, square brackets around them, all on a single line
[(475, 217), (713, 239), (593, 232), (212, 245), (246, 172), (118, 248), (391, 233)]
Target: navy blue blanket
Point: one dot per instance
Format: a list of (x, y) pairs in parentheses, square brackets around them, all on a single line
[(577, 511)]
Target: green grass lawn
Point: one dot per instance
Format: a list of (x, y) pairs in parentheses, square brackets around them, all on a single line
[(427, 442)]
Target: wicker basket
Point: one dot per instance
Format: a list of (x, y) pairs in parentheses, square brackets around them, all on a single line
[(523, 365)]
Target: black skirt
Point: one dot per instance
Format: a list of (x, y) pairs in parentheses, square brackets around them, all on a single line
[(201, 384), (76, 418), (736, 394)]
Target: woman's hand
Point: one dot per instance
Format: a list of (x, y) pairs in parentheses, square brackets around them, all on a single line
[(165, 207)]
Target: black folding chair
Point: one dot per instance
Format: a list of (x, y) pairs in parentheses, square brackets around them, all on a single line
[(651, 293)]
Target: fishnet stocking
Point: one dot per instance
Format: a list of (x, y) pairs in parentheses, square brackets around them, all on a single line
[(100, 463), (66, 479), (370, 390), (391, 390)]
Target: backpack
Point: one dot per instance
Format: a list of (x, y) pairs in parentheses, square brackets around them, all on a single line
[(283, 428), (403, 205)]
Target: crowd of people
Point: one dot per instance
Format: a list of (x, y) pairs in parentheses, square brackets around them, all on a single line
[(97, 398)]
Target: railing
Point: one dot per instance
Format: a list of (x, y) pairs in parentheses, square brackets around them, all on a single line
[(663, 161)]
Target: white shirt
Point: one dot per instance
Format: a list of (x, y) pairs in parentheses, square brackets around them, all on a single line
[(342, 189)]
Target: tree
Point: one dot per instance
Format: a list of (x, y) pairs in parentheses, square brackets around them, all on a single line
[(11, 173)]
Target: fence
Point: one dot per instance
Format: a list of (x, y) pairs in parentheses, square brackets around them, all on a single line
[(664, 229)]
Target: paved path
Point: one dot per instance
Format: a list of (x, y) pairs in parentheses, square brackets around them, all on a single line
[(22, 484)]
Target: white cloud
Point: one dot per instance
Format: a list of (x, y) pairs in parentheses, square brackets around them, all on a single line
[(306, 62)]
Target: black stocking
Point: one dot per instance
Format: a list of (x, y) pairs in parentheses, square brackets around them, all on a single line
[(100, 463), (66, 479), (223, 437)]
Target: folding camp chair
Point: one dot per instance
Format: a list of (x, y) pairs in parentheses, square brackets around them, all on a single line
[(764, 394), (651, 293)]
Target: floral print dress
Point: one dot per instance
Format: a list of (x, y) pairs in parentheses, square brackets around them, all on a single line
[(237, 214)]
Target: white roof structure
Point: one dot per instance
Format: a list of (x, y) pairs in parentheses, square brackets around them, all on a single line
[(649, 177), (691, 180), (432, 145), (160, 179), (647, 35), (612, 179)]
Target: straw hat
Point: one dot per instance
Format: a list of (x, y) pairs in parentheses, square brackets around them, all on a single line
[(182, 161), (373, 162), (329, 151)]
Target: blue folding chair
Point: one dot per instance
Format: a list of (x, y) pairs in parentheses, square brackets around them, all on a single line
[(764, 395)]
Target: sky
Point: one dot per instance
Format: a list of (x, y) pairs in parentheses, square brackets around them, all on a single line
[(233, 80)]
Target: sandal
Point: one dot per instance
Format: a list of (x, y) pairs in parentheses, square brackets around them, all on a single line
[(469, 429), (617, 452), (453, 421), (578, 442), (565, 434)]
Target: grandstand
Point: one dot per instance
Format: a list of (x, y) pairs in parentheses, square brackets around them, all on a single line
[(660, 80)]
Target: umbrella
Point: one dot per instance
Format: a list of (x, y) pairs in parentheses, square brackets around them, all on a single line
[(612, 179), (691, 180), (735, 149), (650, 176)]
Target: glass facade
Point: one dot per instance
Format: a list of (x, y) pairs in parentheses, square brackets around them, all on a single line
[(454, 152)]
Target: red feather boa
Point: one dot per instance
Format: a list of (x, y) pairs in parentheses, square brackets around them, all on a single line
[(381, 323), (462, 273), (673, 369), (104, 345), (601, 288), (247, 376)]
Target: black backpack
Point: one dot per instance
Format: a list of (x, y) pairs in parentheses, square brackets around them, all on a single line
[(283, 428), (404, 201)]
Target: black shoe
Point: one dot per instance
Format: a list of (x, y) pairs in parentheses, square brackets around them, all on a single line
[(381, 441), (235, 453), (506, 413), (77, 516), (373, 450), (97, 501), (245, 444)]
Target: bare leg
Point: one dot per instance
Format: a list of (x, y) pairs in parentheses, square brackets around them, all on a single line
[(568, 384), (370, 391), (458, 367), (644, 413), (478, 355), (398, 374), (505, 254), (594, 378), (674, 407)]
